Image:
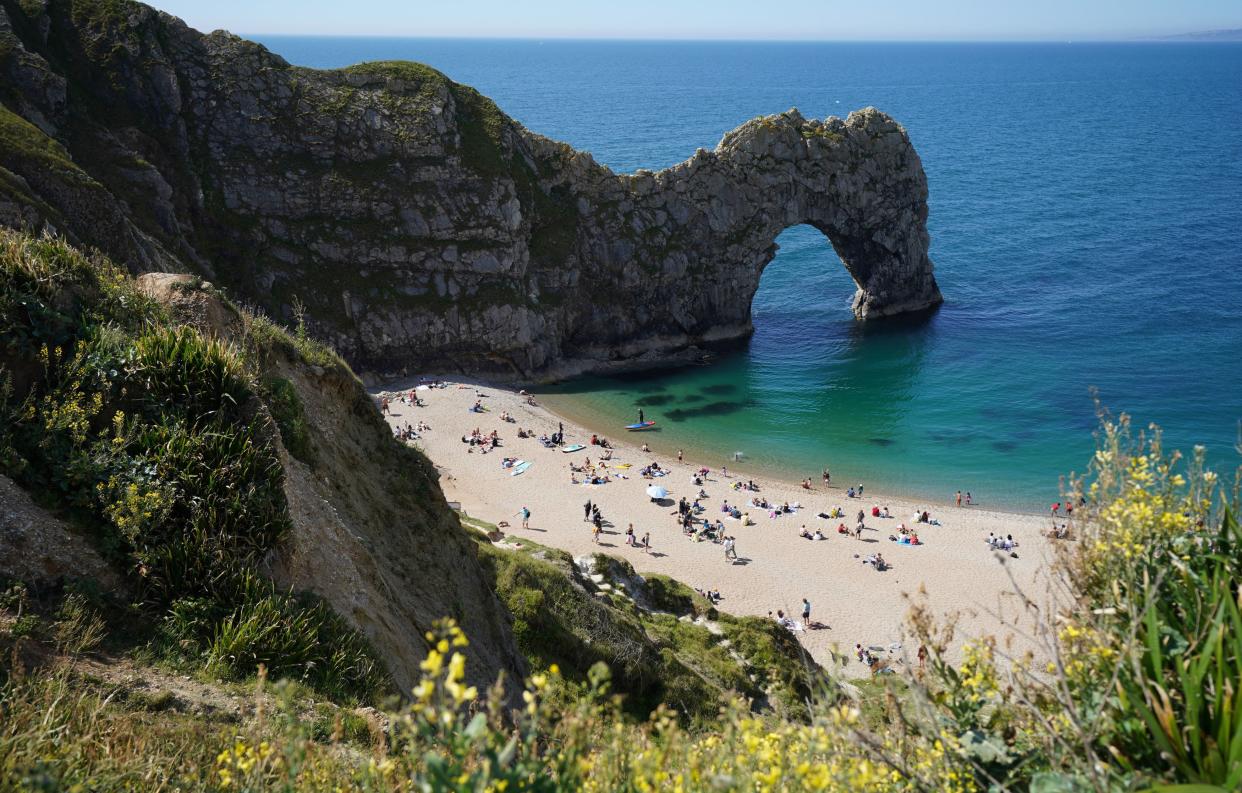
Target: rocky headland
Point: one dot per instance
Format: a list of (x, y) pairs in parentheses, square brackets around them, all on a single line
[(410, 222)]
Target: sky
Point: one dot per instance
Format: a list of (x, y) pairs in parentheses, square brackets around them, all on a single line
[(868, 20)]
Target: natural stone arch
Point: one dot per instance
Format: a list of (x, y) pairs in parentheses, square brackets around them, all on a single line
[(706, 228)]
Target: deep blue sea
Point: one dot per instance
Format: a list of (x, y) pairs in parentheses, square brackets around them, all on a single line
[(1086, 222)]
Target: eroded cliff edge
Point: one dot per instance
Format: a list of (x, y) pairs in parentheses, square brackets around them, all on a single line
[(416, 225)]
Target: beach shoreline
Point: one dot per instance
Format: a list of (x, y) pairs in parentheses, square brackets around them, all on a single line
[(566, 408), (953, 570)]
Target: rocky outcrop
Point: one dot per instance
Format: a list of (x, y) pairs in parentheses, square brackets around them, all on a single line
[(411, 223)]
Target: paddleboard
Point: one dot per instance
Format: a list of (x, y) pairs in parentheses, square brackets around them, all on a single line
[(624, 465), (642, 425), (573, 448), (520, 468)]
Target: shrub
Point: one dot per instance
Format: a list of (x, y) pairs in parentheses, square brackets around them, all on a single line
[(152, 436), (282, 399)]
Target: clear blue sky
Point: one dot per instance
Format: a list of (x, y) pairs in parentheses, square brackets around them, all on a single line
[(717, 19)]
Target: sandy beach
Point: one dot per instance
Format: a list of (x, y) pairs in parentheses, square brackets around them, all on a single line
[(776, 568)]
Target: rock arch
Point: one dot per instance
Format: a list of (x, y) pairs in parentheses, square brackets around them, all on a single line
[(691, 242)]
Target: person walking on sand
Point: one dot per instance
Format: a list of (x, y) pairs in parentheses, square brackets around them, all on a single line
[(646, 542), (596, 530), (922, 657), (959, 498), (525, 513), (586, 510)]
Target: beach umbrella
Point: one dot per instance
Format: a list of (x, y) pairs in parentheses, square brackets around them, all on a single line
[(655, 491)]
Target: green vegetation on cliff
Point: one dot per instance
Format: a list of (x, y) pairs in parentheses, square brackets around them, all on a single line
[(155, 438), (642, 635)]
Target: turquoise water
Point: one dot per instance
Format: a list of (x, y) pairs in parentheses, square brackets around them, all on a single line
[(1086, 209)]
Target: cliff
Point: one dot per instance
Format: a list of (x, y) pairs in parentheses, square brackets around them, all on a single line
[(418, 225), (236, 485)]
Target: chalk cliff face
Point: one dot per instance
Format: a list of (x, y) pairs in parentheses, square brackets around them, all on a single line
[(410, 222)]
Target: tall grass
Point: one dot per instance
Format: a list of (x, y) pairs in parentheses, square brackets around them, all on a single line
[(154, 437)]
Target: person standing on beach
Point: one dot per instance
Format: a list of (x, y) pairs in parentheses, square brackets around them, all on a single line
[(525, 513), (806, 613), (827, 477), (959, 498), (679, 455), (586, 510), (646, 542)]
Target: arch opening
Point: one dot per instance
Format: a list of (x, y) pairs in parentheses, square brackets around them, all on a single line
[(805, 285)]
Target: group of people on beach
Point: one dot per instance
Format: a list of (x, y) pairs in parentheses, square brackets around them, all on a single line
[(410, 432), (592, 473), (999, 543), (690, 513), (485, 442)]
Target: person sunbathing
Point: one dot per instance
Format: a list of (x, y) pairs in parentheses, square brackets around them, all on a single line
[(805, 534)]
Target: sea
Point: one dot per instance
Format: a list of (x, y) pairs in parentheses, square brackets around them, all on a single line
[(1086, 224)]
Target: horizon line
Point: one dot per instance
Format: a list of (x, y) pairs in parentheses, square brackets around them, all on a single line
[(1174, 38)]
